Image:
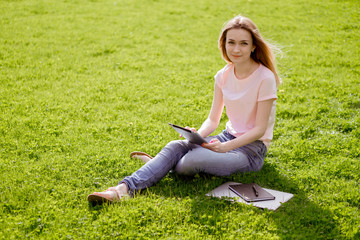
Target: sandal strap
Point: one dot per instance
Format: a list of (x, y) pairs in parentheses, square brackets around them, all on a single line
[(133, 154)]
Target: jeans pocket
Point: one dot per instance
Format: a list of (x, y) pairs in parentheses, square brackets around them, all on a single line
[(262, 149)]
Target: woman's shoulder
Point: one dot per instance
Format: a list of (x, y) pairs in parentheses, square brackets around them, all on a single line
[(267, 78), (225, 69), (222, 74), (266, 72)]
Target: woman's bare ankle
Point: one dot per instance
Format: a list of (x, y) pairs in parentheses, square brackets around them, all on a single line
[(122, 189)]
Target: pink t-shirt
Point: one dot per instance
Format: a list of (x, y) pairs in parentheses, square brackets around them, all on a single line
[(241, 97)]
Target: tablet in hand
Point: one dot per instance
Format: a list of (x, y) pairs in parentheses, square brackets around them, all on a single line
[(191, 136)]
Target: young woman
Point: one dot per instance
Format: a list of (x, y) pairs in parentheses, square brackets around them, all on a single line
[(247, 87)]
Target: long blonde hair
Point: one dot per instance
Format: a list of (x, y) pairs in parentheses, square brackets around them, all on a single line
[(263, 52)]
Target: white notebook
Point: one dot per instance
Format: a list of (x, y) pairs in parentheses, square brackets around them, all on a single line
[(224, 191)]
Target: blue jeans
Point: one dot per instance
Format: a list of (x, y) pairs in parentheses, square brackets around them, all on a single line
[(188, 159)]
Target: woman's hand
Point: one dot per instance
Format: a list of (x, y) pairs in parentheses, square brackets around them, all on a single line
[(215, 145), (189, 128)]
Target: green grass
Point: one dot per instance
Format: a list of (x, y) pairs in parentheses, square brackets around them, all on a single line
[(84, 83)]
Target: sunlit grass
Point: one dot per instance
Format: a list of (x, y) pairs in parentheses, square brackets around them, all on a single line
[(84, 83)]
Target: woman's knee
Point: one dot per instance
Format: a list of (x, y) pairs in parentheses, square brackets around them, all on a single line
[(176, 144), (182, 168), (188, 165), (178, 147)]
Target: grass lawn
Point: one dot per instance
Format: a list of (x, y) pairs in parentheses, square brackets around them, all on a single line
[(85, 82)]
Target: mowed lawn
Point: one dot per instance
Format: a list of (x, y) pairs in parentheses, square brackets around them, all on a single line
[(84, 83)]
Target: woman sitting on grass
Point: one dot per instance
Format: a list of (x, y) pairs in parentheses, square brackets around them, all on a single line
[(247, 87)]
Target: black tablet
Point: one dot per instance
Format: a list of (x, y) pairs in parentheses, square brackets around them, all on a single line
[(192, 137)]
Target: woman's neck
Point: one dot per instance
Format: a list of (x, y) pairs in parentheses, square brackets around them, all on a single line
[(244, 70)]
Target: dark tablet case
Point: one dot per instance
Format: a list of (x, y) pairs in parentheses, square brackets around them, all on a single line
[(192, 137), (246, 192)]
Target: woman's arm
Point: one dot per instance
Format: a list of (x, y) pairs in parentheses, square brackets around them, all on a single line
[(261, 122), (212, 122)]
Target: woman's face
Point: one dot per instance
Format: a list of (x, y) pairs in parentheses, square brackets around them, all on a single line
[(239, 45)]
